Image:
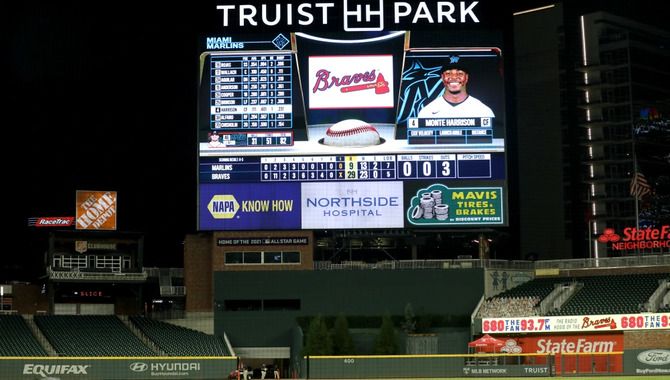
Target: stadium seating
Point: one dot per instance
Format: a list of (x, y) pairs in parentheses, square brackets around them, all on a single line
[(537, 288), (619, 294), (16, 339), (180, 341), (607, 294), (91, 335), (509, 307)]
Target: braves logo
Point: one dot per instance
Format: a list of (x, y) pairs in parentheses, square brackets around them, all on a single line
[(324, 80)]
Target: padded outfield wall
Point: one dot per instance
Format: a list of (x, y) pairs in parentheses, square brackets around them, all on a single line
[(446, 292), (116, 368)]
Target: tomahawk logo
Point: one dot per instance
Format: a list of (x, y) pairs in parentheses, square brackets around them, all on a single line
[(357, 12)]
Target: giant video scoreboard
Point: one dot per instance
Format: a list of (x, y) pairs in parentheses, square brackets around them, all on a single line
[(267, 117)]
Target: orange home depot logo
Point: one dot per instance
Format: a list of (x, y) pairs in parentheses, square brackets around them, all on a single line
[(96, 210)]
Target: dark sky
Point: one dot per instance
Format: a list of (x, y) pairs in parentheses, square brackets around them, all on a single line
[(102, 96), (103, 99)]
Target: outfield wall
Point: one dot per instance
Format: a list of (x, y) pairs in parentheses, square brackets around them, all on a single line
[(426, 366), (448, 292), (116, 368)]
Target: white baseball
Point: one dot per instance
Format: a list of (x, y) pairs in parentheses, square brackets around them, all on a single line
[(351, 132)]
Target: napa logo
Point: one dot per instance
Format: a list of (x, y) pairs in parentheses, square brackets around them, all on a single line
[(223, 206)]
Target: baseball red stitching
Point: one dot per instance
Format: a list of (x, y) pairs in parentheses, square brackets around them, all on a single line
[(352, 131)]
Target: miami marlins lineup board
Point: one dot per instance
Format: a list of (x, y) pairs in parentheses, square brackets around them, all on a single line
[(302, 131)]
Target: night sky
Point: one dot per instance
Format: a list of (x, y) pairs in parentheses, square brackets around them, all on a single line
[(102, 96)]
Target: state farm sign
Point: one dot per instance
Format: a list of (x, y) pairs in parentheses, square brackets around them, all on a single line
[(637, 238), (565, 344)]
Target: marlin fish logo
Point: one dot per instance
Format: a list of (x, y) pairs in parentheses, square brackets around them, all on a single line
[(421, 84)]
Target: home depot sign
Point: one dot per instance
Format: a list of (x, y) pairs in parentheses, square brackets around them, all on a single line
[(96, 210)]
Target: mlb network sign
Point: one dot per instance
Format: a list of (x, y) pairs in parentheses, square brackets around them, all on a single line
[(354, 15)]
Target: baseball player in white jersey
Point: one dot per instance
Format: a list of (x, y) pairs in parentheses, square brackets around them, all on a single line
[(455, 101)]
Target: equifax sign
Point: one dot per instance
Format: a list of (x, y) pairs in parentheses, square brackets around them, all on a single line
[(637, 238), (96, 210)]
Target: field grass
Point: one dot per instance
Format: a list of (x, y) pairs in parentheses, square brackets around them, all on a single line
[(602, 377)]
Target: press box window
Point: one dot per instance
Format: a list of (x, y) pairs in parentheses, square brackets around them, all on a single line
[(252, 257), (272, 257), (291, 257), (267, 257), (242, 305), (234, 258), (290, 304)]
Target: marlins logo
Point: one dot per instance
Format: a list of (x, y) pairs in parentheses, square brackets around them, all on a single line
[(424, 84)]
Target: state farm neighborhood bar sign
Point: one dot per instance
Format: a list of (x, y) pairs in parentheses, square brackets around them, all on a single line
[(637, 238)]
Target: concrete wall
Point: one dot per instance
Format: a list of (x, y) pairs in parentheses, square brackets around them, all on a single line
[(329, 293)]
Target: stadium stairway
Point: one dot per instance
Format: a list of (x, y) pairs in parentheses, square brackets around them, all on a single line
[(44, 342), (139, 334), (660, 297), (80, 335), (178, 341)]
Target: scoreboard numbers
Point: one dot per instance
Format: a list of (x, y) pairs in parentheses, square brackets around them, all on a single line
[(349, 168)]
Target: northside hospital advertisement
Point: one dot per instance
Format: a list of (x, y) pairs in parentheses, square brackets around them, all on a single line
[(342, 205), (301, 131)]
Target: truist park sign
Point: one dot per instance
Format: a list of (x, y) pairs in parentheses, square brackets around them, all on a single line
[(354, 15)]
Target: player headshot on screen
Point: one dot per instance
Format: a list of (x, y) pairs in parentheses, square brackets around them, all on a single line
[(455, 101), (214, 141)]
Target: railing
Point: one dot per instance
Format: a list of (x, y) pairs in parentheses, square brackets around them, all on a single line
[(167, 314), (167, 291), (608, 262), (156, 272), (425, 264), (630, 261), (95, 276)]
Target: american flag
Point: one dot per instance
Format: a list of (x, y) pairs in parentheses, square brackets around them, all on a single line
[(639, 187)]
